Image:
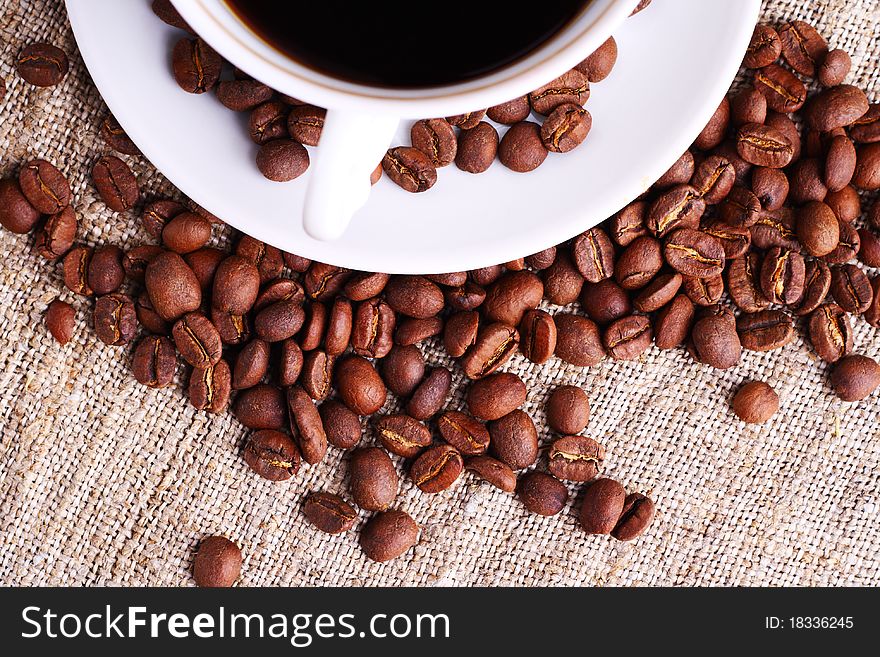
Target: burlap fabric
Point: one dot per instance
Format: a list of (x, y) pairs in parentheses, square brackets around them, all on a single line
[(103, 481)]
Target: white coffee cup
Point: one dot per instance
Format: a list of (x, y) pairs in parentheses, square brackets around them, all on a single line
[(362, 120)]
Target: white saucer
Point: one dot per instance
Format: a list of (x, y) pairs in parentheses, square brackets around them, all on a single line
[(677, 59)]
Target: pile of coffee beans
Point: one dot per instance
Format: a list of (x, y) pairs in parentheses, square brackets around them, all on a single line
[(550, 119), (758, 224)]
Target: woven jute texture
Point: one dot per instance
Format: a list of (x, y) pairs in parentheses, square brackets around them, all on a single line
[(105, 482)]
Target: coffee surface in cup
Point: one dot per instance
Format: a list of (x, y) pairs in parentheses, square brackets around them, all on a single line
[(401, 44)]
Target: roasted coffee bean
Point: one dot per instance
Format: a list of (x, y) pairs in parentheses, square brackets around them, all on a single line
[(605, 301), (658, 293), (629, 223), (740, 208), (748, 106), (314, 327), (782, 276), (570, 87), (802, 46), (469, 436), (56, 236), (373, 481), (196, 65), (282, 289), (305, 123), (636, 517), (848, 246), (602, 506), (715, 339), (360, 386), (261, 407), (851, 289), (575, 458), (840, 163), (734, 240), (869, 251), (638, 263), (817, 228), (282, 160), (681, 206), (403, 369), (673, 323), (105, 271), (290, 363), (279, 321), (342, 426), (115, 319), (44, 186), (514, 439), (476, 148), (594, 255), (538, 331), (542, 493), (806, 181), (414, 296), (431, 394), (317, 374), (158, 213), (846, 204), (436, 469), (136, 259), (830, 332), (251, 365), (339, 327), (679, 173), (450, 279), (763, 146), (578, 341), (76, 267), (562, 281), (306, 425), (513, 111), (493, 472), (236, 285), (755, 403), (410, 169), (402, 435), (770, 186), (703, 291), (466, 297), (598, 65), (436, 139), (568, 410), (494, 346), (775, 229), (566, 128), (60, 320), (272, 455), (867, 173), (467, 120), (511, 296), (388, 535), (835, 107), (147, 315), (42, 64), (716, 129), (329, 513), (372, 329), (741, 168), (713, 179), (233, 329), (243, 95), (154, 362), (267, 259), (361, 287), (783, 90), (115, 183), (486, 275), (197, 340), (628, 337), (834, 68), (817, 283), (460, 332), (496, 395), (872, 314), (694, 253), (855, 377), (521, 149), (866, 129), (764, 48), (268, 122), (764, 330), (218, 560), (411, 330)]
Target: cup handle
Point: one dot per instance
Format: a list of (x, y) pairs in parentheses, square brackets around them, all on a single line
[(351, 146)]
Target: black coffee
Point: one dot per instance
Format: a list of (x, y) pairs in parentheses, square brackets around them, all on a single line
[(393, 43)]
